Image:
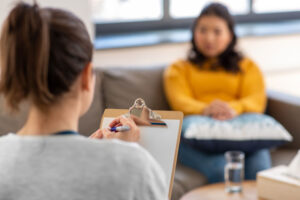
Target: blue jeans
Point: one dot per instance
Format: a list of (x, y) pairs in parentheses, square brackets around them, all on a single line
[(212, 165)]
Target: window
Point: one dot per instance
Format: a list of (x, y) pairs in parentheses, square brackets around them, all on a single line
[(271, 6), (125, 16), (192, 8), (110, 11)]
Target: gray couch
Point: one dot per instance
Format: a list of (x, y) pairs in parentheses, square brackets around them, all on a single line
[(119, 87)]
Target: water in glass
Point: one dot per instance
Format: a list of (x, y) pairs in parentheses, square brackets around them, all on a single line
[(234, 171)]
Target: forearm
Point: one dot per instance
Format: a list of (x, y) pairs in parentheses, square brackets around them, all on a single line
[(249, 104), (188, 106)]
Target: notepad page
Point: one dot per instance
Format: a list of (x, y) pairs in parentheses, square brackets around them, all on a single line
[(161, 142)]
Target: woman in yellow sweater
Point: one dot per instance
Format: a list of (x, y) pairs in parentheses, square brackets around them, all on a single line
[(218, 82)]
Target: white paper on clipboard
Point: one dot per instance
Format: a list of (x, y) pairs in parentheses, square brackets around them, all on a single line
[(161, 142)]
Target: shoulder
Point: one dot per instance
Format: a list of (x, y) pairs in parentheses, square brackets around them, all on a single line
[(181, 63), (247, 64), (178, 66), (7, 141)]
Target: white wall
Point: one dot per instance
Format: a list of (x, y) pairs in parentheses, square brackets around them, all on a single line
[(5, 6), (140, 56), (272, 53), (81, 8)]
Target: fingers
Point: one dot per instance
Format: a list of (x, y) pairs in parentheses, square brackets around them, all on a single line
[(121, 120), (97, 134), (220, 105), (139, 121), (219, 110), (128, 121), (115, 122), (132, 135), (107, 134), (223, 116), (93, 135)]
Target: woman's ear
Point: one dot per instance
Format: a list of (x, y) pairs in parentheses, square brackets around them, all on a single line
[(86, 77)]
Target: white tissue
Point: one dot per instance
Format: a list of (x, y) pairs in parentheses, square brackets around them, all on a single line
[(294, 167)]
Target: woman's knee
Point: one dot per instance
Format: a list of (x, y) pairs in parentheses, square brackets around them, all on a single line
[(257, 161)]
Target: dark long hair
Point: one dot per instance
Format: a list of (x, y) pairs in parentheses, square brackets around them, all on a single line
[(230, 58), (42, 52)]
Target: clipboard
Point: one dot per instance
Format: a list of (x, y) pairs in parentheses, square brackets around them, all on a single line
[(161, 142)]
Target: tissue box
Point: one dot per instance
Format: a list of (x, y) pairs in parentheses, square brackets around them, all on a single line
[(275, 184)]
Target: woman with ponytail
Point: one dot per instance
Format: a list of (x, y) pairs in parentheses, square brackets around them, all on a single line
[(45, 60)]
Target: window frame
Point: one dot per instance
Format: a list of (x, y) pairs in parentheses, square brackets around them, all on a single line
[(169, 23)]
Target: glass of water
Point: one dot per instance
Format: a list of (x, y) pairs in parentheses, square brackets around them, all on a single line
[(234, 171)]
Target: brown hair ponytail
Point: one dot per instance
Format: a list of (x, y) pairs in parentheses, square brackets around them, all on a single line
[(42, 52)]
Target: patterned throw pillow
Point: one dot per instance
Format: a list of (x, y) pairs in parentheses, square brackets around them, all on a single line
[(248, 132)]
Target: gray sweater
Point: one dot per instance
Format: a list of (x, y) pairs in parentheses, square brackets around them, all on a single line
[(71, 167)]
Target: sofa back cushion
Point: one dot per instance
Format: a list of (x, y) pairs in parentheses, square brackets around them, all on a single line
[(87, 124), (121, 86), (90, 121), (12, 122)]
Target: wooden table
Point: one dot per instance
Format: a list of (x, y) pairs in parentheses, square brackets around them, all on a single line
[(217, 192)]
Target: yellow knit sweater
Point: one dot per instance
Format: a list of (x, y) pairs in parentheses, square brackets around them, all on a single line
[(190, 89)]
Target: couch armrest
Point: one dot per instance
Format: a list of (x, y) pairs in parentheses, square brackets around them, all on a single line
[(185, 180), (286, 110)]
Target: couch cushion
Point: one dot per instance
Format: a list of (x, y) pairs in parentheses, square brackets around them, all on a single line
[(248, 132), (12, 122), (178, 191), (121, 86), (90, 121)]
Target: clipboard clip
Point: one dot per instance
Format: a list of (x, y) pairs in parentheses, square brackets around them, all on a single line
[(146, 115)]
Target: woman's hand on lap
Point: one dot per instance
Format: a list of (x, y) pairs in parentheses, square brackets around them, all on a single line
[(219, 110)]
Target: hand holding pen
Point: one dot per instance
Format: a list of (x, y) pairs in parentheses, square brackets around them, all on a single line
[(122, 128)]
